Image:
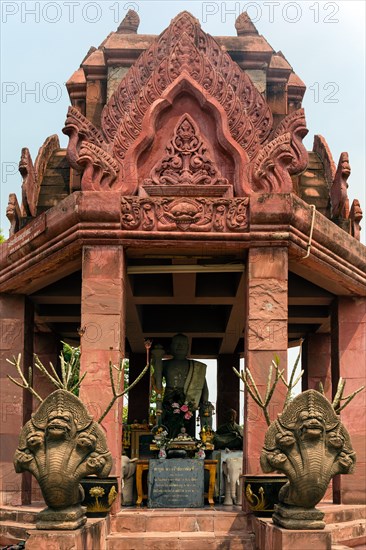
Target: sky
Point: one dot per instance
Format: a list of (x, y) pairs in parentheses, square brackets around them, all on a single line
[(44, 42)]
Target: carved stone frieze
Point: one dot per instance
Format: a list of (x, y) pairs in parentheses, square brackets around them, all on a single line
[(185, 214), (187, 160)]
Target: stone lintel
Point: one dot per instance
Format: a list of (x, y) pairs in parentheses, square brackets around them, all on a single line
[(337, 260)]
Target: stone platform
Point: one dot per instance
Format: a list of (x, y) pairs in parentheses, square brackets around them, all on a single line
[(207, 528)]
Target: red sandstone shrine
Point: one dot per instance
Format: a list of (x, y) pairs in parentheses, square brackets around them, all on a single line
[(185, 202)]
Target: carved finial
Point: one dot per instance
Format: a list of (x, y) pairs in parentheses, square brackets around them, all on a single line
[(355, 215), (338, 192), (130, 23), (13, 214), (244, 25)]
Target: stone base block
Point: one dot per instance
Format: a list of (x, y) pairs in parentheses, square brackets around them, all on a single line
[(294, 517), (69, 518)]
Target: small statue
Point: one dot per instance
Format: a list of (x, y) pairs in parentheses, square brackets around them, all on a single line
[(185, 383), (230, 434), (310, 445), (60, 445), (128, 476), (232, 469)]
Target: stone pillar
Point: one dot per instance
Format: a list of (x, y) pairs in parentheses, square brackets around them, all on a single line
[(16, 336), (316, 362), (103, 337), (348, 362), (265, 337), (139, 396), (227, 387)]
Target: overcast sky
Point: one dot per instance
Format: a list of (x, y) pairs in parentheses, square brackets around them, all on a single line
[(43, 43)]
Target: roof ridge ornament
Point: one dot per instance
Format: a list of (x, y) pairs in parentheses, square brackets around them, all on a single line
[(129, 24), (244, 25)]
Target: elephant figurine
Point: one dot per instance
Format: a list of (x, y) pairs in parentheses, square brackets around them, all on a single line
[(232, 468), (128, 477)]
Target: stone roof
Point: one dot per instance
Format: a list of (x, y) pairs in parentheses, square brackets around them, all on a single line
[(269, 71)]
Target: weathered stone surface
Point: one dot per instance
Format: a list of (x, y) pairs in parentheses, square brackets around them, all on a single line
[(268, 299)]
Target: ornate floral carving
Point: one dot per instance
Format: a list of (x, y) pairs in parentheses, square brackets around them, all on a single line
[(60, 445), (33, 174), (184, 214), (310, 445), (338, 191), (187, 160), (184, 58), (185, 47)]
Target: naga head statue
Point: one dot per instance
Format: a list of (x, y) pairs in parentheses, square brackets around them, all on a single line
[(60, 445), (310, 445)]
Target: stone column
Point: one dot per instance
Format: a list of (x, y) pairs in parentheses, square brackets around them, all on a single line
[(16, 336), (139, 396), (348, 362), (265, 337), (103, 337), (227, 387)]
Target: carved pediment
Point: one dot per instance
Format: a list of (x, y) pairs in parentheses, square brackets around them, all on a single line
[(184, 65), (186, 162)]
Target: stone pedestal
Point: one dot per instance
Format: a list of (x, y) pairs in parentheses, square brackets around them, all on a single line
[(292, 517), (69, 518), (265, 337)]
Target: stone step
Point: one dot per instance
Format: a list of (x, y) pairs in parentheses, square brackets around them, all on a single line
[(20, 514), (181, 520), (349, 533), (12, 532), (339, 513), (178, 540)]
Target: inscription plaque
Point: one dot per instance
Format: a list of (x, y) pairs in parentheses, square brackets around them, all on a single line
[(176, 483)]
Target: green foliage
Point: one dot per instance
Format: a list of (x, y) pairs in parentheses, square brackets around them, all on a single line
[(71, 356), (2, 238)]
